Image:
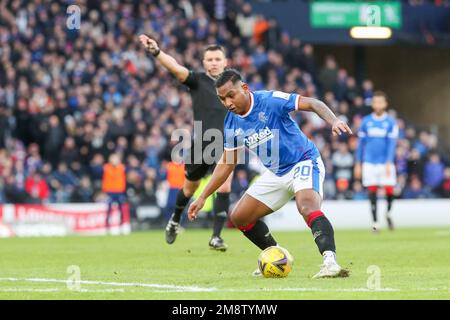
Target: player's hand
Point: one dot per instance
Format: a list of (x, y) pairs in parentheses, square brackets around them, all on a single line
[(340, 127), (195, 208), (150, 44), (357, 171)]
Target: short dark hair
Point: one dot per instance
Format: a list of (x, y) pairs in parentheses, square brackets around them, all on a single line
[(379, 93), (213, 47), (228, 75)]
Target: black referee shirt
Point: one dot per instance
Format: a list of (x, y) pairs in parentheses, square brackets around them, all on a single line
[(206, 104)]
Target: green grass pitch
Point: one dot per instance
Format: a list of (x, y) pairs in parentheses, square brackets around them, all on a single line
[(409, 264)]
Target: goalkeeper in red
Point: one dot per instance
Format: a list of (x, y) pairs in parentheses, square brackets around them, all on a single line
[(260, 121)]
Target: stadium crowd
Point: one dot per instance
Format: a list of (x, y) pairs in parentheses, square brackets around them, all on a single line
[(69, 98)]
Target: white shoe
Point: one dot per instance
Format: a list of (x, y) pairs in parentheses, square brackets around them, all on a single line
[(375, 227), (125, 229), (257, 273), (330, 268)]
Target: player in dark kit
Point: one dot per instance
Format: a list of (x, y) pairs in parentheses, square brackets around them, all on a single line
[(207, 109)]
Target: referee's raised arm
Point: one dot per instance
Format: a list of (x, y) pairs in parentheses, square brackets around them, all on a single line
[(179, 71)]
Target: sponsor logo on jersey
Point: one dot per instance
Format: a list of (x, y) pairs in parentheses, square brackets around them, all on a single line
[(258, 138), (282, 95), (375, 132)]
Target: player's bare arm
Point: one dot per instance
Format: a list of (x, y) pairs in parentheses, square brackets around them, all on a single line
[(179, 71), (310, 104), (357, 171), (224, 168)]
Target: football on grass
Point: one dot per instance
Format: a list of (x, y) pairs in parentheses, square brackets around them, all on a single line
[(275, 262)]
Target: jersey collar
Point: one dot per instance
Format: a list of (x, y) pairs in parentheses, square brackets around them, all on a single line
[(382, 117), (252, 102)]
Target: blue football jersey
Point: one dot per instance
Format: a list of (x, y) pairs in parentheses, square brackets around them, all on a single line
[(268, 130), (377, 139)]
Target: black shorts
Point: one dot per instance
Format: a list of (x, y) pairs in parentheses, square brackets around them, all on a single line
[(195, 172), (196, 168)]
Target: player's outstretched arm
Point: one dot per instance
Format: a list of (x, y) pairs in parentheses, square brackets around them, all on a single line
[(223, 169), (179, 71), (310, 104)]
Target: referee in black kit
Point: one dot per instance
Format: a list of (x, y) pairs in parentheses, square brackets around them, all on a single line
[(209, 110)]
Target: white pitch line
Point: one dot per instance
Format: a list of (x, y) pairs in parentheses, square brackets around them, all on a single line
[(118, 284), (46, 290), (442, 233), (292, 290), (167, 288)]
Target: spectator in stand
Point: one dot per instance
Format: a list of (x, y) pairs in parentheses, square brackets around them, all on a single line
[(433, 172), (343, 162), (84, 193), (415, 190), (54, 139), (415, 164), (422, 144), (4, 126), (245, 21), (36, 187), (328, 75), (444, 189)]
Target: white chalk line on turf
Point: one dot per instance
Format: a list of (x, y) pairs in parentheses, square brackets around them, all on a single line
[(167, 288), (49, 290), (118, 284)]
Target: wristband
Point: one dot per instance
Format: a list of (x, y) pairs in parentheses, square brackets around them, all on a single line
[(156, 53)]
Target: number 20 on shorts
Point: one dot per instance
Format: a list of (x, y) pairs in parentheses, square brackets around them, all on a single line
[(304, 171)]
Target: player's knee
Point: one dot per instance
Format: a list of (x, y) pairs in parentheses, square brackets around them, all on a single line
[(225, 188), (307, 206), (238, 219), (188, 192), (189, 189)]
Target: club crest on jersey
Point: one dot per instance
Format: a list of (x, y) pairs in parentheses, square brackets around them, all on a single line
[(258, 138), (262, 117)]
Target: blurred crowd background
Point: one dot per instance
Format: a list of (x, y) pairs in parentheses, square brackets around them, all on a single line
[(71, 98)]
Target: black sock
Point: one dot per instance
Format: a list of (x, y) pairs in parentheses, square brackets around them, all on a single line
[(180, 204), (390, 199), (221, 204), (260, 235), (373, 205), (323, 234)]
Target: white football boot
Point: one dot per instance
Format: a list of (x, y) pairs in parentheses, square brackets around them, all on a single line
[(257, 273), (330, 267), (375, 227)]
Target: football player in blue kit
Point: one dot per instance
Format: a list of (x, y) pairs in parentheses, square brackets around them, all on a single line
[(260, 121), (375, 155)]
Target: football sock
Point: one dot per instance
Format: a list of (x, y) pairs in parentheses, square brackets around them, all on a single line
[(259, 234), (180, 204), (373, 204), (322, 231), (221, 204), (389, 198)]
